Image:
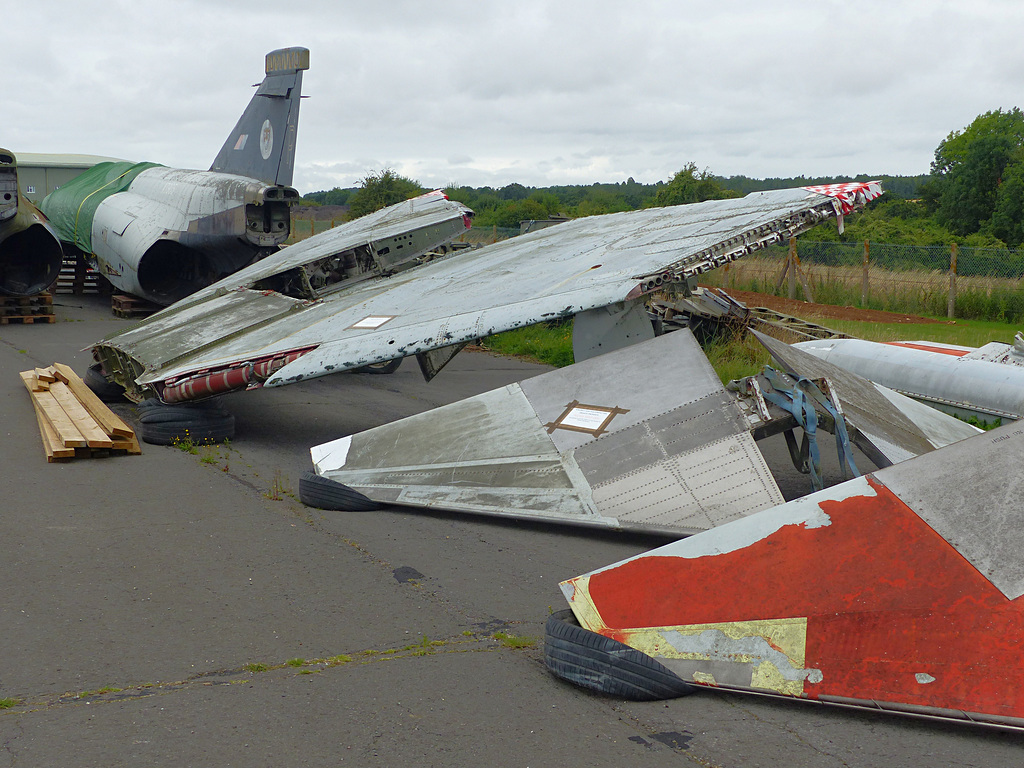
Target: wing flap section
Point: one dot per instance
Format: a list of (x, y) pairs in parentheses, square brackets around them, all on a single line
[(586, 445)]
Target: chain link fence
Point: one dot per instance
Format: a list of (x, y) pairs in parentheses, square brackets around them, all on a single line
[(951, 281)]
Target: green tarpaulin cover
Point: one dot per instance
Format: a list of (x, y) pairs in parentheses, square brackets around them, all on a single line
[(71, 207)]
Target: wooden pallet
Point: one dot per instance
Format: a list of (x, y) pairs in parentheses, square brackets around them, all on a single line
[(73, 421), (123, 305), (27, 309)]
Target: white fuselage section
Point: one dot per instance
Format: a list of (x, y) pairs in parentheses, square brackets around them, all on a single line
[(204, 211), (961, 380)]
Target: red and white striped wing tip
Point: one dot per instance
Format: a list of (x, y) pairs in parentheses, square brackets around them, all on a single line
[(849, 194)]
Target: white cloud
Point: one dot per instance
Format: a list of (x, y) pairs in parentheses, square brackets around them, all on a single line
[(532, 92)]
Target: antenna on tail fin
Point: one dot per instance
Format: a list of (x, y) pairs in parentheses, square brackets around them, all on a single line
[(262, 144)]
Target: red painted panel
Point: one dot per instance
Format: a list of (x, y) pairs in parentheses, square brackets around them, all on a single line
[(885, 596), (929, 348)]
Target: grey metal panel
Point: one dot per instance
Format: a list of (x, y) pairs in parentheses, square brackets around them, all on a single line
[(648, 379), (651, 464), (876, 416), (972, 494), (719, 482), (679, 430), (555, 272), (497, 425), (603, 330)]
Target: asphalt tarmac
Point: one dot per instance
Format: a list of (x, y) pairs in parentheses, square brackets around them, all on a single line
[(186, 610)]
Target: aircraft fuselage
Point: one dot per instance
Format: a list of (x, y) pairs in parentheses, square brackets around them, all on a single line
[(175, 231)]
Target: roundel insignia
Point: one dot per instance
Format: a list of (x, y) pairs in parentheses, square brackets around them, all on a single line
[(266, 139)]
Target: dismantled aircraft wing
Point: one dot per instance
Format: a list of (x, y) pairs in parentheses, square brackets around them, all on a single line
[(590, 444), (226, 337), (163, 233), (901, 590), (30, 253), (986, 383), (287, 308)]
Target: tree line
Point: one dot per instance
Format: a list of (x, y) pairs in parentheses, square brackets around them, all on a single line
[(972, 195)]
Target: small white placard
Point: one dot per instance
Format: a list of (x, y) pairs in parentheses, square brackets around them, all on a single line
[(589, 419), (373, 321)]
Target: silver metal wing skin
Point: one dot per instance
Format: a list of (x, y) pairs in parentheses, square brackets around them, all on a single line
[(588, 445), (296, 315)]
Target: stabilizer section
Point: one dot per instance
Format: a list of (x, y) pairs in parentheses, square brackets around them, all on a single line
[(589, 444), (262, 144), (901, 590)]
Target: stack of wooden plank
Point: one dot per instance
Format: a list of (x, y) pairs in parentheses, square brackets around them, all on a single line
[(74, 422)]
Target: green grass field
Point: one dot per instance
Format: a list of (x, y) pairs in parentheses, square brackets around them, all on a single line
[(744, 356)]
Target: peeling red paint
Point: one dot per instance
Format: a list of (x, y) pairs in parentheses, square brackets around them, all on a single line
[(885, 596)]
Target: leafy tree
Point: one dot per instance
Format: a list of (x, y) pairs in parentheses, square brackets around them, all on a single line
[(969, 168), (600, 200), (379, 190), (690, 186), (336, 196), (1007, 222), (513, 192)]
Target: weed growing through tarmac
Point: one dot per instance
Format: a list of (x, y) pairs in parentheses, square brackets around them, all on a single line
[(256, 667), (7, 703), (278, 488), (512, 641), (296, 662), (185, 444)]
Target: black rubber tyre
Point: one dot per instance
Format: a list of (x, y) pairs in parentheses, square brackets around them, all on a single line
[(601, 664), (170, 414), (387, 367), (168, 424), (323, 493), (101, 386)]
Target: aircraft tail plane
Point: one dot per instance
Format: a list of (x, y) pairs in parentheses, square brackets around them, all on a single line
[(262, 144)]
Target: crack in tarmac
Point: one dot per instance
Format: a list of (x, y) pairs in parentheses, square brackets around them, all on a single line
[(243, 674)]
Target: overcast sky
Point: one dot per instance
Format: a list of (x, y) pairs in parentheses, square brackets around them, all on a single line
[(538, 92)]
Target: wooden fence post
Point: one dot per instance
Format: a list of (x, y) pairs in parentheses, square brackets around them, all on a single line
[(865, 285), (792, 267), (951, 303)]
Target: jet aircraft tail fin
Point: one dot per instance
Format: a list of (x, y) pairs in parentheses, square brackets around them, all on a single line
[(262, 144)]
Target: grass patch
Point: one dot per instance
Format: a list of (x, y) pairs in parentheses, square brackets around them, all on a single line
[(256, 667), (549, 343), (514, 641), (967, 333), (7, 703)]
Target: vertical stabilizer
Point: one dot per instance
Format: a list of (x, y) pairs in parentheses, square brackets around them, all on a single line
[(262, 144)]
